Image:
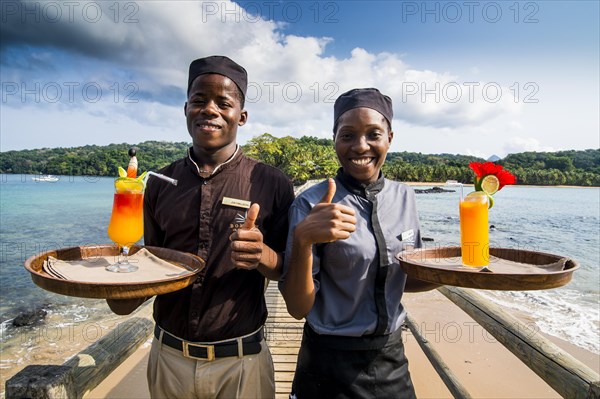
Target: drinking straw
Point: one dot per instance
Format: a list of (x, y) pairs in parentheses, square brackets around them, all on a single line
[(163, 177)]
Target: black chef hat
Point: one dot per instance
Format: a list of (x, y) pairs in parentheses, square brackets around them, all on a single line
[(221, 65), (359, 98)]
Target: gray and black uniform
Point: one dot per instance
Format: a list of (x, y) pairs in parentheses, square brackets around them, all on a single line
[(352, 345)]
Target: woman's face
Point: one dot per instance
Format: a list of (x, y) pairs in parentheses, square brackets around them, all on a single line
[(362, 140)]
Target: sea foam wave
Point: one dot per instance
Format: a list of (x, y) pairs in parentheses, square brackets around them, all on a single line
[(548, 310)]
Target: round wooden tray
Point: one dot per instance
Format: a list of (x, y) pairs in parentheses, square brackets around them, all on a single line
[(540, 270), (44, 280)]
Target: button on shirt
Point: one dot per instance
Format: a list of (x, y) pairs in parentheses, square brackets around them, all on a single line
[(224, 302), (358, 281)]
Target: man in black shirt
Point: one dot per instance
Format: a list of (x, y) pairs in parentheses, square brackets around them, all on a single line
[(232, 212)]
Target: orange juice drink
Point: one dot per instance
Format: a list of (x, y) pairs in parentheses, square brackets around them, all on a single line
[(474, 230), (126, 224)]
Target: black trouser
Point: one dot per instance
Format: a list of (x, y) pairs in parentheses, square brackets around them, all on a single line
[(352, 368)]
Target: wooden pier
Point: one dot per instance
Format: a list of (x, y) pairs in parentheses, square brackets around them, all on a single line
[(83, 375)]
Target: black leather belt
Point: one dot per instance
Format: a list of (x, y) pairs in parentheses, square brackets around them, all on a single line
[(210, 351)]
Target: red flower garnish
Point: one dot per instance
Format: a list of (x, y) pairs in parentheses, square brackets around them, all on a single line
[(485, 168), (506, 178), (482, 169)]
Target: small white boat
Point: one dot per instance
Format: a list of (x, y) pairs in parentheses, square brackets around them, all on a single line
[(46, 178), (453, 183)]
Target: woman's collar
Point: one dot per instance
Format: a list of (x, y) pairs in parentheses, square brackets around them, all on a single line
[(358, 188)]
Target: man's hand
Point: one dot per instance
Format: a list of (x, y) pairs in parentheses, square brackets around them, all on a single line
[(247, 242), (327, 222)]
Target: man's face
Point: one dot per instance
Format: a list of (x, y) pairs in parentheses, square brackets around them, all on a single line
[(213, 111), (362, 141)]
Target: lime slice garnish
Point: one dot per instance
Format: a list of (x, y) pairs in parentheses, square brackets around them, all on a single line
[(480, 197), (122, 172), (490, 184), (476, 196), (142, 176), (127, 184)]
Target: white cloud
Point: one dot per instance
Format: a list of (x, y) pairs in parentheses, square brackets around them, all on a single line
[(293, 84), (522, 144)]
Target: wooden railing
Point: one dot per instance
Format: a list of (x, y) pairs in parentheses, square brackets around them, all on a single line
[(565, 374)]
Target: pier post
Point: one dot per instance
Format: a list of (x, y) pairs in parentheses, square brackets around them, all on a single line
[(84, 371)]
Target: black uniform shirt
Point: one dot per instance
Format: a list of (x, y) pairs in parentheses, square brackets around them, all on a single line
[(196, 216)]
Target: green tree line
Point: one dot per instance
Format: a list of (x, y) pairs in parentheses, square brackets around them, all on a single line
[(307, 158), (91, 160)]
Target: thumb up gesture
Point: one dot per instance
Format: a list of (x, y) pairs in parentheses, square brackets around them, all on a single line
[(247, 242), (327, 221), (330, 193), (251, 217)]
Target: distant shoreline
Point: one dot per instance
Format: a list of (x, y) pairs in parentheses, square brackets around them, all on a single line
[(443, 184), (409, 183)]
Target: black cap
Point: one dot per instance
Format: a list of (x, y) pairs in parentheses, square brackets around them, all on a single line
[(221, 65), (363, 98)]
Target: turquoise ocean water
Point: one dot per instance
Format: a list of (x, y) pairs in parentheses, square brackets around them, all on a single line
[(38, 216)]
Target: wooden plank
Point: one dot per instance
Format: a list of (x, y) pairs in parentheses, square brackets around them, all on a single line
[(286, 387), (284, 334), (287, 367), (285, 358), (286, 322), (285, 376), (282, 350), (565, 374)]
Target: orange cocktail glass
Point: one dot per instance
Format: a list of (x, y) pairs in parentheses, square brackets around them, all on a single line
[(126, 224), (474, 230)]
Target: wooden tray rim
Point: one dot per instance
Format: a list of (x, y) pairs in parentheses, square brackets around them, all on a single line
[(63, 287), (491, 281)]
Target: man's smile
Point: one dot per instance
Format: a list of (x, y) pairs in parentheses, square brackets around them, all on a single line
[(208, 127)]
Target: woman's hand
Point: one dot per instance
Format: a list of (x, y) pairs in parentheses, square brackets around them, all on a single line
[(326, 222)]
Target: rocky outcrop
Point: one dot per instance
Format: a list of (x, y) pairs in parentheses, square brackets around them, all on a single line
[(29, 317), (433, 190)]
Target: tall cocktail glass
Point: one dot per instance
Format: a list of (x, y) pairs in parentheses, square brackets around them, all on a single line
[(126, 224), (474, 230)]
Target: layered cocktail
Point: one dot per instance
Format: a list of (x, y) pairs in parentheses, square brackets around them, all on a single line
[(126, 224)]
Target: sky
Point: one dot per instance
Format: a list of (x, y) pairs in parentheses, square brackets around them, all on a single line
[(466, 77)]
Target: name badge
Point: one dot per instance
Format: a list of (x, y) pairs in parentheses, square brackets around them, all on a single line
[(407, 235), (236, 202)]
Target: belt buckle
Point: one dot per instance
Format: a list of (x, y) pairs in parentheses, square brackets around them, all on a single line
[(210, 351)]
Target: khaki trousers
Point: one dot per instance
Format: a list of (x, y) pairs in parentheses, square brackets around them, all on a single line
[(171, 375)]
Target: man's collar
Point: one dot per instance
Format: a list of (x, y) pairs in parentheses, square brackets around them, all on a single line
[(229, 162)]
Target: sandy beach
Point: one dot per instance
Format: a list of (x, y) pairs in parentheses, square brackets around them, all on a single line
[(483, 366)]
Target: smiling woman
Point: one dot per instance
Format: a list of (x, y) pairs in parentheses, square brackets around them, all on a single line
[(362, 132), (362, 142), (340, 272)]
